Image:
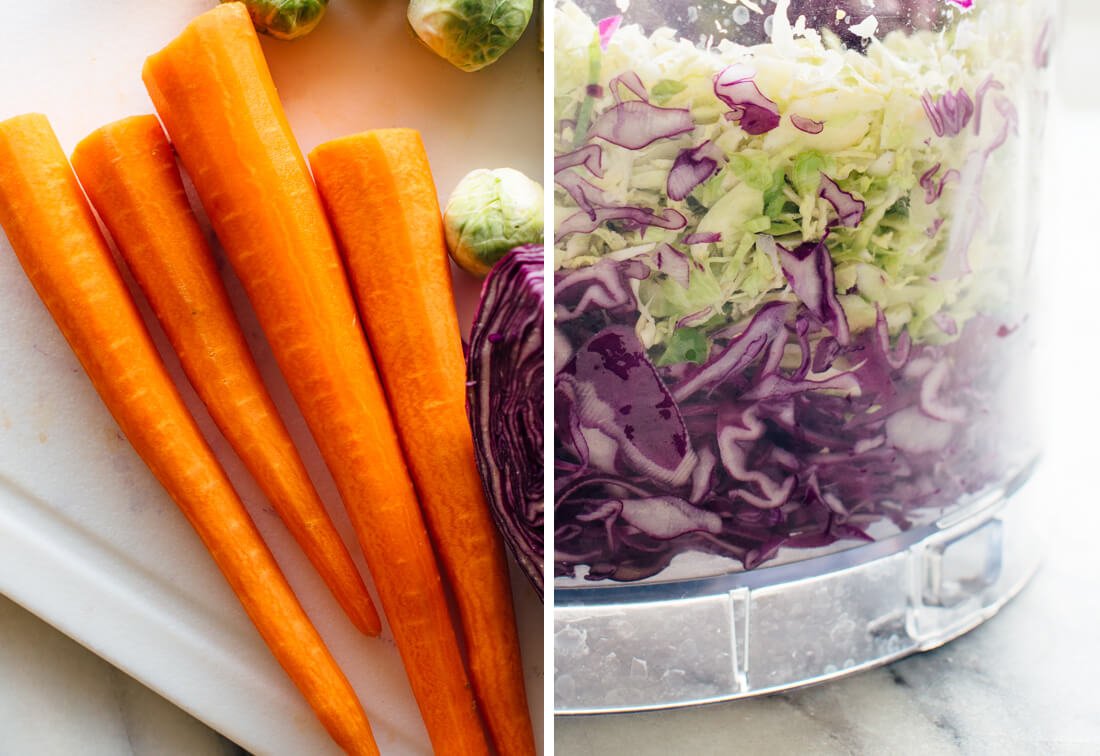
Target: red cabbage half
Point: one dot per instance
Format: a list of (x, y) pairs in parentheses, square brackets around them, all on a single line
[(504, 401)]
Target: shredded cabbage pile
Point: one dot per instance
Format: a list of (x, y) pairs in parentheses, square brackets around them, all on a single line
[(786, 274)]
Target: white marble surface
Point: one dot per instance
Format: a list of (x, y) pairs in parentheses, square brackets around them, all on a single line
[(1024, 683), (58, 698)]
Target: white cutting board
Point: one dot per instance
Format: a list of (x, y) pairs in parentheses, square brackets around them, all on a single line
[(88, 539)]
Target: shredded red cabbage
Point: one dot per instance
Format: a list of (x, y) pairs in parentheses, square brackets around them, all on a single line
[(753, 451), (691, 168), (979, 99), (673, 263), (808, 268), (606, 28), (807, 125), (636, 124), (706, 237), (949, 113), (932, 188), (849, 210), (754, 112), (639, 217), (604, 285), (1041, 55), (590, 156), (629, 81), (587, 196)]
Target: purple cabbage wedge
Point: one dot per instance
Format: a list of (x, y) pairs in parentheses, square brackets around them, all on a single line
[(504, 401)]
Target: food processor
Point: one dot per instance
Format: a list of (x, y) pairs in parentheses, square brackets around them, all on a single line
[(793, 278)]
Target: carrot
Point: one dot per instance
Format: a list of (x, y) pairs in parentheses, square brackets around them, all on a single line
[(381, 201), (129, 172), (56, 238), (215, 96)]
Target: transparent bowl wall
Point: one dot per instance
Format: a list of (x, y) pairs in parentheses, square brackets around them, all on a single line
[(885, 503)]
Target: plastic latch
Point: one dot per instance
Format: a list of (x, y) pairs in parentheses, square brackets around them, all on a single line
[(963, 567)]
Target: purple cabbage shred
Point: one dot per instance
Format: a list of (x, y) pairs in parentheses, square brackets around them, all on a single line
[(754, 112)]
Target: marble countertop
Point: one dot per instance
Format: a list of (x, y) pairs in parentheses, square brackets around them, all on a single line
[(58, 698)]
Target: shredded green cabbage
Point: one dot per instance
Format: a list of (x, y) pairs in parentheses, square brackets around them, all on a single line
[(876, 143)]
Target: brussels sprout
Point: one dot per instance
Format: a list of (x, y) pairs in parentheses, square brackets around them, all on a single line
[(489, 213), (471, 34), (285, 19)]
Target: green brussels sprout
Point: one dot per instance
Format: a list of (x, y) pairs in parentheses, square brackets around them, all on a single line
[(471, 34), (489, 213), (285, 19)]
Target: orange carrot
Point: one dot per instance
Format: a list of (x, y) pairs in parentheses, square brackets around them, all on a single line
[(218, 103), (129, 172), (381, 201), (56, 238)]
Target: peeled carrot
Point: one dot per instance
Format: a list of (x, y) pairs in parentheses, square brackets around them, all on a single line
[(56, 238), (129, 172), (381, 201), (215, 96)]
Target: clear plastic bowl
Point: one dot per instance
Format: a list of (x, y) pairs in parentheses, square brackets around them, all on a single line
[(793, 318)]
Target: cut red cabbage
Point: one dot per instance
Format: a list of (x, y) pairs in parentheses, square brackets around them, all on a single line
[(504, 401), (979, 99), (587, 196), (932, 188), (606, 28), (695, 318), (1009, 125), (636, 124), (809, 270), (946, 323), (706, 237), (629, 81), (742, 351), (932, 402), (807, 125), (1041, 56), (895, 357), (666, 517), (627, 419), (590, 156), (673, 263), (602, 286), (691, 168), (584, 223), (781, 457), (755, 113), (949, 113), (849, 210)]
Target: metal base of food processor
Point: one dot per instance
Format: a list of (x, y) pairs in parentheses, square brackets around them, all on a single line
[(662, 645)]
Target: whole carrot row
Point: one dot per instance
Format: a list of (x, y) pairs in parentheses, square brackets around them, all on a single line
[(129, 172), (381, 200), (58, 243), (214, 94)]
